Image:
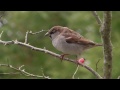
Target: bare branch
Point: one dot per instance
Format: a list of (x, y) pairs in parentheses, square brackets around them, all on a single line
[(22, 71), (26, 37), (14, 73), (97, 17), (6, 42), (73, 77), (30, 32), (49, 52), (36, 32), (97, 64), (16, 42), (1, 35), (107, 45), (44, 74)]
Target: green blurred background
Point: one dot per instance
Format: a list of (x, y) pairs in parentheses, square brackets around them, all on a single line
[(16, 23)]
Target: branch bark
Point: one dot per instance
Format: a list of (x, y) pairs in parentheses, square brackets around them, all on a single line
[(107, 45), (97, 17), (22, 71), (50, 53)]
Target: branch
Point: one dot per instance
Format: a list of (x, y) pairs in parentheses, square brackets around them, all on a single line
[(73, 77), (22, 71), (1, 35), (16, 42), (26, 37), (106, 37), (48, 52), (30, 32), (11, 73), (36, 32), (97, 17), (97, 64)]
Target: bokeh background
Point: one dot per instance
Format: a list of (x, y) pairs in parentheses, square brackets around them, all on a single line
[(15, 24)]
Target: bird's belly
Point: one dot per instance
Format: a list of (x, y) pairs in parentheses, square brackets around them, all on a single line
[(67, 48)]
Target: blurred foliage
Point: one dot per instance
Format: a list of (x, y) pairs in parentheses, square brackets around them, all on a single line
[(16, 23)]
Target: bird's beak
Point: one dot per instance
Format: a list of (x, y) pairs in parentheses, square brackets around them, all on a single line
[(47, 34)]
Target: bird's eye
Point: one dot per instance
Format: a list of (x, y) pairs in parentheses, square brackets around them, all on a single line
[(53, 31)]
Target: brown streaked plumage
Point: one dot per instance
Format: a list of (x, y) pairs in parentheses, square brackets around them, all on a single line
[(69, 41)]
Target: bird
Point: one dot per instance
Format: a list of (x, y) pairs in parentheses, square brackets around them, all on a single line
[(69, 42)]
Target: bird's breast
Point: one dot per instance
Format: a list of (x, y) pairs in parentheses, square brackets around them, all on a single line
[(67, 48)]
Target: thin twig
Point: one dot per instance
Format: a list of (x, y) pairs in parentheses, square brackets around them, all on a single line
[(26, 37), (73, 77), (22, 71), (1, 35), (97, 64), (36, 32), (44, 74), (30, 32), (97, 17), (10, 73)]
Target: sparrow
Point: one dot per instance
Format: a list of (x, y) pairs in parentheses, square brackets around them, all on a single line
[(68, 41)]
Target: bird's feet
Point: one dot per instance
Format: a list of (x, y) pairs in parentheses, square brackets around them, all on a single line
[(62, 56)]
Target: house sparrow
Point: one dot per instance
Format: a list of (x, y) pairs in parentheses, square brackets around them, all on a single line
[(69, 41)]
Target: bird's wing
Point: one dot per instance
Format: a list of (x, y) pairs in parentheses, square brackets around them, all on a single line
[(78, 39)]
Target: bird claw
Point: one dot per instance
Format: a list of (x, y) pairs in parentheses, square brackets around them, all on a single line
[(62, 56)]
